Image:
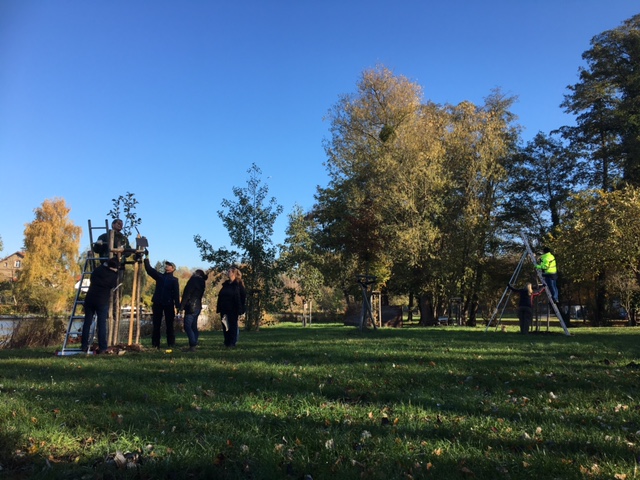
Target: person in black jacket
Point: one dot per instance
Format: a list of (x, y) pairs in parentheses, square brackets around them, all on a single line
[(231, 304), (525, 306), (191, 305), (165, 301), (103, 280)]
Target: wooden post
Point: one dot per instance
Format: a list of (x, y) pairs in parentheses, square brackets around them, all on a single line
[(138, 280), (134, 307)]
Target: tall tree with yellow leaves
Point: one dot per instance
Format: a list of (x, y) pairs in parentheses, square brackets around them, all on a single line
[(51, 243)]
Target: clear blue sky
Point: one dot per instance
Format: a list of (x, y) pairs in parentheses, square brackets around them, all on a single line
[(174, 100)]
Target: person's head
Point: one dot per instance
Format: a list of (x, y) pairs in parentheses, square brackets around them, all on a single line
[(529, 288), (200, 273), (546, 250), (117, 225), (234, 273), (112, 263), (169, 267)]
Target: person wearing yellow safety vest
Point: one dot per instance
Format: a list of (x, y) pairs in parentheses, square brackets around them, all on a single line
[(547, 263)]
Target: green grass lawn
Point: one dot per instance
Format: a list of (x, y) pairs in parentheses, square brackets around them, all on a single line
[(331, 402)]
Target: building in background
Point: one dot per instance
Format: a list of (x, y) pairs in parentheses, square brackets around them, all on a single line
[(10, 267)]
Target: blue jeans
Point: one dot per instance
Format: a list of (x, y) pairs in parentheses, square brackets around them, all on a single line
[(191, 327), (550, 281), (101, 312)]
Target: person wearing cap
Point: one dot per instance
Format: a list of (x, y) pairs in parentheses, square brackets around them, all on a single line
[(102, 282), (120, 241), (191, 305), (165, 301)]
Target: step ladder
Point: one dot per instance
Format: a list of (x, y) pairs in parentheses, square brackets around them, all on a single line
[(541, 279), (73, 337), (528, 253)]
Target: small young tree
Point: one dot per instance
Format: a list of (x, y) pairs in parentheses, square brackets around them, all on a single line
[(126, 204)]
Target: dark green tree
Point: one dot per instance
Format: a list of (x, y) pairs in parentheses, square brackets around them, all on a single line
[(541, 176), (606, 102), (249, 220)]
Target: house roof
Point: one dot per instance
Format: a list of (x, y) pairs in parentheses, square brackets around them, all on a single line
[(19, 254)]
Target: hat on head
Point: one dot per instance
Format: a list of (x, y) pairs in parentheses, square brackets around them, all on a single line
[(170, 264), (112, 262)]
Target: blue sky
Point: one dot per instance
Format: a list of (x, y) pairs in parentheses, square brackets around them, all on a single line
[(174, 100)]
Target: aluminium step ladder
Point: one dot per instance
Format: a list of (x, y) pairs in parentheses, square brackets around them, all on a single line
[(72, 339), (528, 253), (547, 291)]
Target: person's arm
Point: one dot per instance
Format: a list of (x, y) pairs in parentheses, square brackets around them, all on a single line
[(511, 288), (176, 294), (152, 272), (186, 294), (243, 299)]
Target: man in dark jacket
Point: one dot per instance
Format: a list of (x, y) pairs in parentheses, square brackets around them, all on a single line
[(166, 301), (120, 241), (192, 306), (103, 280)]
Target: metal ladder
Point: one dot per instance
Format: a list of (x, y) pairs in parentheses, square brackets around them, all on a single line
[(540, 277), (528, 253), (71, 344)]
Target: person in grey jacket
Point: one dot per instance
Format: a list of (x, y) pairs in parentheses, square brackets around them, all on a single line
[(165, 301), (191, 305)]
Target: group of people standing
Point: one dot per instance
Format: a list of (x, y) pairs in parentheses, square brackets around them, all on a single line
[(166, 301)]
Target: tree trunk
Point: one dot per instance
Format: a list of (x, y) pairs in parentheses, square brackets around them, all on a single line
[(425, 304)]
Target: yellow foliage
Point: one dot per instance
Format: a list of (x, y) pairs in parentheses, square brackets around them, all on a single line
[(52, 243)]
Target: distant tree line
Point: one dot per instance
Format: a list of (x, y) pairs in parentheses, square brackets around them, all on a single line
[(431, 199)]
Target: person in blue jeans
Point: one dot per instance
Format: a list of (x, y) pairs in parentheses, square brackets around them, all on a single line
[(231, 304), (103, 280), (191, 305)]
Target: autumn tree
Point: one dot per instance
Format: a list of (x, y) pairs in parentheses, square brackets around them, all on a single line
[(249, 220), (598, 244), (370, 156), (51, 242), (478, 143)]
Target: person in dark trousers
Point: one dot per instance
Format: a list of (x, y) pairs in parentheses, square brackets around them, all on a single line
[(165, 301), (525, 306), (102, 282), (231, 304), (191, 305)]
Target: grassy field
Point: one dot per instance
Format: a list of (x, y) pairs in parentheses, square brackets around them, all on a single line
[(331, 402)]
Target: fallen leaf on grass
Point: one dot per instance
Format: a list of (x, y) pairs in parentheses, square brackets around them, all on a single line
[(467, 472)]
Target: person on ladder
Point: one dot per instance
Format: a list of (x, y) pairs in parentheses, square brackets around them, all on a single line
[(525, 305), (547, 264)]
